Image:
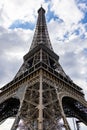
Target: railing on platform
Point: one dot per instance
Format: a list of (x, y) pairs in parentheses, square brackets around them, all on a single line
[(47, 68)]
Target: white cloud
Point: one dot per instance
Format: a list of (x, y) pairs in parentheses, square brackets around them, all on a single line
[(71, 27), (67, 11), (71, 50), (14, 44), (65, 32), (73, 58), (12, 10)]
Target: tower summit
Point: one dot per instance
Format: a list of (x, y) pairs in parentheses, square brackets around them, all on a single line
[(41, 35), (41, 94)]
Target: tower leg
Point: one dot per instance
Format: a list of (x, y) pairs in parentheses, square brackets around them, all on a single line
[(40, 107), (16, 122), (66, 125)]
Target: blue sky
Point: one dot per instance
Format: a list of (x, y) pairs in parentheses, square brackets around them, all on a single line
[(67, 26), (21, 24)]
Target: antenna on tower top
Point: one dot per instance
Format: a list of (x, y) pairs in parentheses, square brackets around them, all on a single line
[(41, 5)]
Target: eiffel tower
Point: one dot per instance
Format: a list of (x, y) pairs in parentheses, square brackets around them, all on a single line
[(41, 94)]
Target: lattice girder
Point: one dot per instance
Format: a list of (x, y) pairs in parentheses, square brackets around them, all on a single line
[(51, 86), (30, 107)]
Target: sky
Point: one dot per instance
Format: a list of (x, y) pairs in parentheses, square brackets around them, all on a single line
[(67, 26)]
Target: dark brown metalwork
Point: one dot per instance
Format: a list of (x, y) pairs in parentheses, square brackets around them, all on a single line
[(41, 94)]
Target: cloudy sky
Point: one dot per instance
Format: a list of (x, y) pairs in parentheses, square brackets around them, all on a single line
[(67, 25)]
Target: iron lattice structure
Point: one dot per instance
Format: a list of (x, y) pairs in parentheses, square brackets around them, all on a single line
[(41, 94)]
